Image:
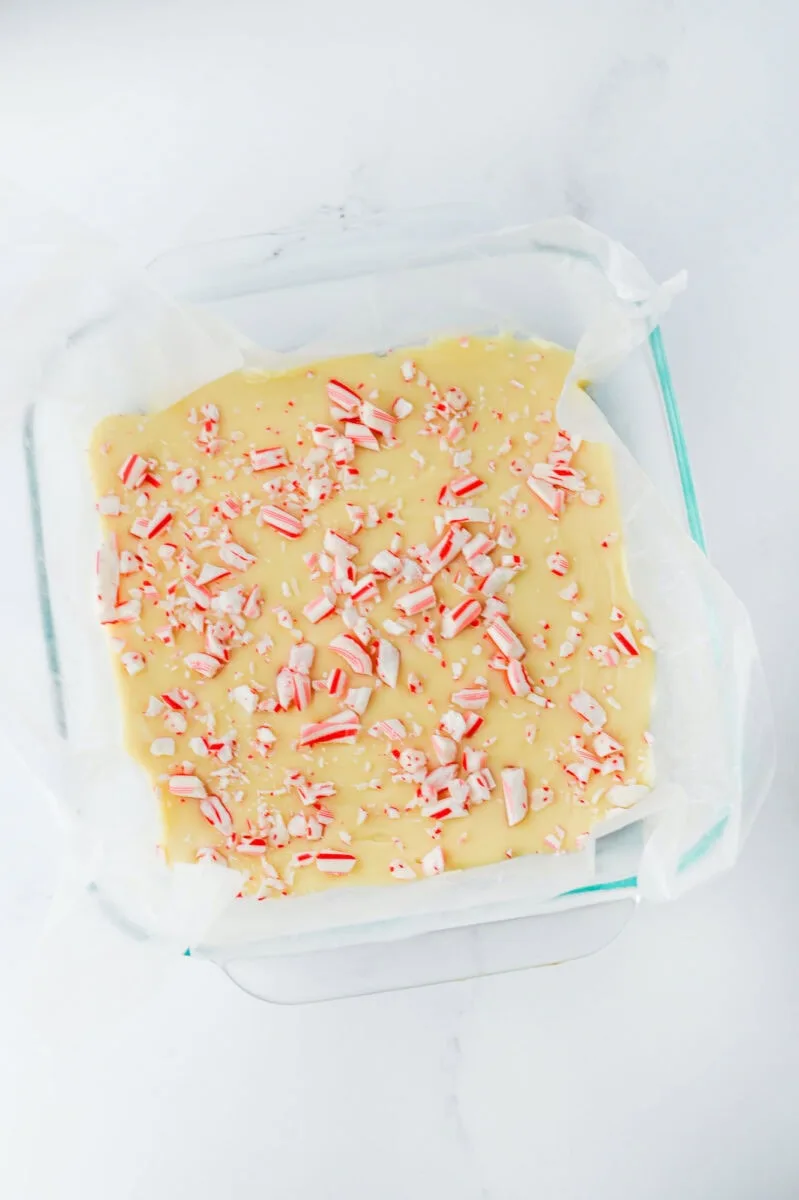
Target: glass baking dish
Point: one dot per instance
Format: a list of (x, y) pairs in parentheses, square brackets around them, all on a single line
[(279, 290)]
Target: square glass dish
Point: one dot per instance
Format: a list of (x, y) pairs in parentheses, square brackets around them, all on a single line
[(393, 279)]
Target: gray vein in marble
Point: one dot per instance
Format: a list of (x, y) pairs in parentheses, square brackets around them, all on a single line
[(452, 1068)]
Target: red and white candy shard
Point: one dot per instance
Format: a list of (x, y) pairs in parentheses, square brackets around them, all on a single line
[(445, 748), (378, 419), (401, 870), (467, 514), (364, 590), (605, 745), (133, 662), (133, 471), (319, 733), (386, 563), (203, 664), (358, 699), (433, 862), (558, 563), (338, 546), (472, 697), (343, 398), (504, 638), (551, 497), (514, 791), (337, 682), (209, 573), (236, 556), (217, 814), (187, 787), (161, 520), (335, 862), (467, 485), (185, 481), (388, 659), (353, 654), (540, 797), (301, 657), (416, 601), (588, 708), (625, 641), (361, 435), (554, 839), (179, 699), (320, 607), (518, 680), (455, 620), (481, 784), (269, 459), (444, 551), (246, 697), (391, 728), (281, 521), (559, 476)]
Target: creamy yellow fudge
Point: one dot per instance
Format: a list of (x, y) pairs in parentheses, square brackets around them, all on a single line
[(371, 619)]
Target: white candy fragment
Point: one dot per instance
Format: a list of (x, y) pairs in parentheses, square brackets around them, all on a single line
[(625, 795), (588, 708), (514, 791), (164, 746)]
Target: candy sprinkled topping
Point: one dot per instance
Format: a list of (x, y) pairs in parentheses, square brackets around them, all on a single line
[(370, 618)]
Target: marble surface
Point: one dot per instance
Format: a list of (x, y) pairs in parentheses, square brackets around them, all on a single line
[(668, 1065)]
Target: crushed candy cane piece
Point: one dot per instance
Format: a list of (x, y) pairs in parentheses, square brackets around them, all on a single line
[(246, 697), (400, 869), (588, 708), (551, 497), (331, 730), (625, 641), (504, 638), (626, 795), (343, 398), (417, 601), (269, 459), (203, 664), (433, 862), (514, 791), (558, 563), (281, 521), (472, 697), (388, 659), (455, 620), (163, 747), (186, 481), (187, 787), (133, 662), (335, 862), (133, 471), (353, 654), (217, 814)]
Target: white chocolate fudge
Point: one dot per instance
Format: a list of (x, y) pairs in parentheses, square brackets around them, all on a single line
[(371, 619)]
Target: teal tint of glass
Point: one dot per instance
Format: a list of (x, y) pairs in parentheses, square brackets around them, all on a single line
[(677, 437)]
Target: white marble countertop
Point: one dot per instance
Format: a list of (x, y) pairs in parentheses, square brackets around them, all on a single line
[(668, 1065)]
